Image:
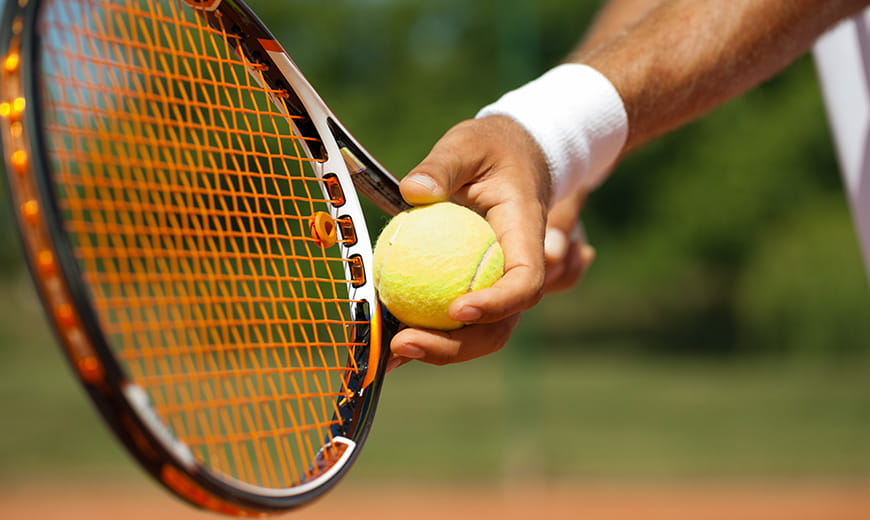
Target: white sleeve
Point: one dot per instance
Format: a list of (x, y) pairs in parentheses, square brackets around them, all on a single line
[(842, 59)]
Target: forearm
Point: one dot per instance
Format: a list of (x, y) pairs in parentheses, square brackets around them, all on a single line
[(675, 60), (654, 65), (615, 17)]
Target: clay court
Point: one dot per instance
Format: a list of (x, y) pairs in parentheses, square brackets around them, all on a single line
[(386, 501)]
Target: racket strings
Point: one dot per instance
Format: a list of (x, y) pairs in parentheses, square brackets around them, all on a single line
[(187, 196)]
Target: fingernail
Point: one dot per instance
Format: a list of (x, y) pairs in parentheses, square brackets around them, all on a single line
[(588, 253), (555, 244), (409, 351), (423, 180), (468, 314), (394, 363)]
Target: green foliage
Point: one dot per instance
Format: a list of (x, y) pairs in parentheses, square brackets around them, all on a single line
[(689, 234), (799, 293), (689, 230)]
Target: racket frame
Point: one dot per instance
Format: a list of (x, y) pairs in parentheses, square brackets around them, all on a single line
[(122, 404)]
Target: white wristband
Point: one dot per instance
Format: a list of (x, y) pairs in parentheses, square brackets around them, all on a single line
[(578, 120)]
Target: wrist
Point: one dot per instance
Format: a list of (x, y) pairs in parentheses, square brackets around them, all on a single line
[(577, 119)]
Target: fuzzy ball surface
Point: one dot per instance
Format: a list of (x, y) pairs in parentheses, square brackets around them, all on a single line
[(428, 256)]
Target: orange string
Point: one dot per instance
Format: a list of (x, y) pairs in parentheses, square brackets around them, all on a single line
[(187, 193)]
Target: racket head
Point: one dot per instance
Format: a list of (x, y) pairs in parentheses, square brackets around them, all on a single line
[(187, 207)]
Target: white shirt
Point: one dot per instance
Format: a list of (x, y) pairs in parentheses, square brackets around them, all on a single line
[(843, 62)]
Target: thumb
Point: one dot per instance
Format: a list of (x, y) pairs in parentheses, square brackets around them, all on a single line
[(421, 187), (450, 165)]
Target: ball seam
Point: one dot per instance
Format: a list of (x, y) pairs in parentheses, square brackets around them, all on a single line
[(483, 259)]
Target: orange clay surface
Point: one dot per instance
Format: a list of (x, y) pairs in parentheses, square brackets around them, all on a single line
[(385, 501)]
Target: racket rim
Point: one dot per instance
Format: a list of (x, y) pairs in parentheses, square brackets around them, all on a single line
[(111, 393)]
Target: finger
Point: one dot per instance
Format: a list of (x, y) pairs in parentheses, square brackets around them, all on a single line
[(444, 347), (585, 259), (564, 213), (454, 161), (556, 271), (395, 362), (566, 274), (555, 246), (563, 230), (562, 218), (519, 227)]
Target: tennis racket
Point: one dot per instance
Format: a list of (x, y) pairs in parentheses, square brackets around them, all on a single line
[(188, 209)]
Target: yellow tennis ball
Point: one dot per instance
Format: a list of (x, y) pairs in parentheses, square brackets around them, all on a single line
[(428, 256)]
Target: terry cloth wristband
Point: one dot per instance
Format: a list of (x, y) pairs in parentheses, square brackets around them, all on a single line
[(578, 120)]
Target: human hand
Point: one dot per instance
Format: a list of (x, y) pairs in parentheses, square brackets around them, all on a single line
[(567, 253), (492, 166)]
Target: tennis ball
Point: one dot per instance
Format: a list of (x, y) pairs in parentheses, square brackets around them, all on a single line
[(428, 256)]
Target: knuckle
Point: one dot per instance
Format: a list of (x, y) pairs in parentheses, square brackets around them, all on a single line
[(533, 294), (536, 296)]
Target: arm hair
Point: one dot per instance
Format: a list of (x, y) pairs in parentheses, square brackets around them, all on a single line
[(674, 60)]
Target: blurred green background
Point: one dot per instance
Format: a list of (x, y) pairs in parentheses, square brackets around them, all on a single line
[(724, 330)]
